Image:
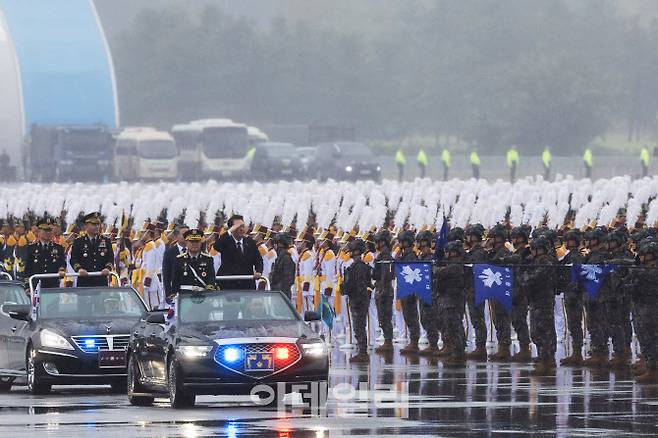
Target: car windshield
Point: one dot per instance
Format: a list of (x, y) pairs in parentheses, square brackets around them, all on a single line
[(225, 142), (13, 294), (355, 150), (157, 149), (90, 303), (280, 150), (85, 140), (235, 306)]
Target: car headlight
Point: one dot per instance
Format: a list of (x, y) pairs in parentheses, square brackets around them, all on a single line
[(378, 168), (348, 168), (53, 340), (315, 349), (194, 351)]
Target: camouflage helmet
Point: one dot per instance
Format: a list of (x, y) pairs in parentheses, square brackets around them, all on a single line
[(541, 243), (649, 248), (474, 230), (456, 233), (406, 236), (615, 236), (574, 234), (596, 234), (498, 231), (282, 239), (424, 236), (454, 246), (520, 232), (550, 235), (357, 245), (382, 236)]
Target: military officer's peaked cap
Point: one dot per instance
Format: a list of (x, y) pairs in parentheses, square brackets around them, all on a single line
[(46, 224), (193, 235), (93, 218)]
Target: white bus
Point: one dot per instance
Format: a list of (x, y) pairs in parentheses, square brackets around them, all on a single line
[(212, 148), (145, 154)]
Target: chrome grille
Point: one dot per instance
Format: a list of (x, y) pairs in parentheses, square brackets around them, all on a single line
[(293, 355), (94, 343)]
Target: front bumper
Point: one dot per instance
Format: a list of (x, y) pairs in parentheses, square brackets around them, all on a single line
[(205, 376), (74, 368)]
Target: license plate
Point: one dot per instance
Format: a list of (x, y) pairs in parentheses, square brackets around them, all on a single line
[(286, 171), (365, 172), (111, 359), (259, 362)]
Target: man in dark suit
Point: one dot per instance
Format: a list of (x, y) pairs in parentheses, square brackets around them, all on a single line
[(240, 256), (92, 253), (176, 248)]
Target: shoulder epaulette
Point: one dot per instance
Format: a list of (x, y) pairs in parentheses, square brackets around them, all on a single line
[(149, 246)]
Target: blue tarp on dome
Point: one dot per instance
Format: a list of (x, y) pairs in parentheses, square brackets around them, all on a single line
[(65, 67)]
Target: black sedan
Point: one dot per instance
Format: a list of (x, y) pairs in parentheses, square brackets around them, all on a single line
[(71, 336), (274, 161), (345, 161), (226, 342)]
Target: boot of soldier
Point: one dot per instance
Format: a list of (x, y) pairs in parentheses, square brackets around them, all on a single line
[(524, 355), (453, 361), (361, 357), (444, 351), (620, 360), (411, 348), (503, 354), (649, 377), (386, 347), (597, 360), (543, 368), (639, 367), (432, 350), (480, 353), (572, 361)]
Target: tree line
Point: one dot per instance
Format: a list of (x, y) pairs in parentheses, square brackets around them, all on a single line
[(534, 74)]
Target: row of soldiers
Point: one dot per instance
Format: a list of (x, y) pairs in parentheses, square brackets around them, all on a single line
[(354, 270), (542, 262)]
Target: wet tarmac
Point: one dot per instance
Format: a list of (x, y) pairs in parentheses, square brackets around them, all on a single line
[(393, 396)]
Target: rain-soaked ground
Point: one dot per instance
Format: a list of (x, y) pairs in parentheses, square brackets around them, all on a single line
[(394, 396)]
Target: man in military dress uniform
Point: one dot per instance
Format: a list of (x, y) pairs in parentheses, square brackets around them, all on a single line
[(44, 256), (92, 253), (193, 270)]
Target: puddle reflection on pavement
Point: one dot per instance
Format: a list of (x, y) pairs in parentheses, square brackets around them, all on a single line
[(393, 396)]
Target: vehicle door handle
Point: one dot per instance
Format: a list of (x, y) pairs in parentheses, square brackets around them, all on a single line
[(136, 333), (13, 329)]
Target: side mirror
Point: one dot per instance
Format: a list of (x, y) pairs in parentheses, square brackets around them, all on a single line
[(156, 318), (310, 315), (21, 312)]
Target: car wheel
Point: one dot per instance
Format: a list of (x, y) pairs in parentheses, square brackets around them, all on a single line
[(178, 397), (5, 384), (34, 384), (133, 386)]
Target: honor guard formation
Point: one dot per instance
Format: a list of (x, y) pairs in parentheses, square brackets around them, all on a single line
[(415, 264)]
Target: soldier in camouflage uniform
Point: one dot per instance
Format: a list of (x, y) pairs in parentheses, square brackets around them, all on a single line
[(521, 255), (429, 313), (539, 284), (409, 303), (448, 293), (618, 305), (643, 287), (499, 255), (597, 323), (475, 254), (282, 276), (383, 277), (573, 297), (357, 282)]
